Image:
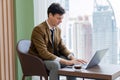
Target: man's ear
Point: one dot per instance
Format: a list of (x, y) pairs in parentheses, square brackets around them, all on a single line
[(50, 15)]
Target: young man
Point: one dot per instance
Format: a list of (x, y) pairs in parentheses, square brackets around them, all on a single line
[(46, 43)]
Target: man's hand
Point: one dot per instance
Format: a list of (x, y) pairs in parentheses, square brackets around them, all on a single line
[(72, 62), (80, 61), (77, 61)]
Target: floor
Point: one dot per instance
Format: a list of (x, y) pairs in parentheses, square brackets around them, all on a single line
[(64, 78)]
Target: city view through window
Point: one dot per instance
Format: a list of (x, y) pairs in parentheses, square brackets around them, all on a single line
[(88, 25), (92, 25)]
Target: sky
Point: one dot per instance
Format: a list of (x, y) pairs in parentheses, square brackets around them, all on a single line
[(85, 7), (81, 7)]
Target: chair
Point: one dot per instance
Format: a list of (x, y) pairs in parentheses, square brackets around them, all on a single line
[(31, 65)]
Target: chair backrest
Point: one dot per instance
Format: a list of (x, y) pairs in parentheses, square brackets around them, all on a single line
[(23, 46), (31, 65)]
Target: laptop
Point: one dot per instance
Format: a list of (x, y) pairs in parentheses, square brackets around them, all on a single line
[(95, 60)]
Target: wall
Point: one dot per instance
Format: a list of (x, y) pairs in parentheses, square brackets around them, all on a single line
[(24, 23)]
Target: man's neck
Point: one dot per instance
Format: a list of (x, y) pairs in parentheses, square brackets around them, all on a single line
[(50, 24)]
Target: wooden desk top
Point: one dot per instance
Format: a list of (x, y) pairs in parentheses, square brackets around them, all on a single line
[(108, 72)]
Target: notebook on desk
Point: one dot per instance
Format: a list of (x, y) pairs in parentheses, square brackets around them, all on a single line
[(95, 60)]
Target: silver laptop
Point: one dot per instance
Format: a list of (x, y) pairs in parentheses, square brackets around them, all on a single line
[(95, 60)]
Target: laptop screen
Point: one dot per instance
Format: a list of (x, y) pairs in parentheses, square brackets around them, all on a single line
[(95, 60)]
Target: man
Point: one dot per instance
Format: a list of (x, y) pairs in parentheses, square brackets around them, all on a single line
[(46, 43)]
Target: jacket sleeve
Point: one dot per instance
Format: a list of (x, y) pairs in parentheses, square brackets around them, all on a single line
[(62, 48)]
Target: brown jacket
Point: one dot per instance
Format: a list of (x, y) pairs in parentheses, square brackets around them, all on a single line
[(41, 43)]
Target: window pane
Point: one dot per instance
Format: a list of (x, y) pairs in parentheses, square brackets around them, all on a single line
[(91, 25), (88, 25)]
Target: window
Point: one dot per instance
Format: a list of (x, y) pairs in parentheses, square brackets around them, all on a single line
[(88, 25), (92, 25)]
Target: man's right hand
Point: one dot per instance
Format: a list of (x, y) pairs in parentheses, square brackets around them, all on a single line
[(72, 62)]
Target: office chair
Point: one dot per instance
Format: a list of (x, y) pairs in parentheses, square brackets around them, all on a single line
[(31, 65)]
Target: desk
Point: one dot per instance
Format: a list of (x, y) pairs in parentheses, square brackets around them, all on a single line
[(103, 72)]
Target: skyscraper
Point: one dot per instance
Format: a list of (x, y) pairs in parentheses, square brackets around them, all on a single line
[(105, 31), (81, 37)]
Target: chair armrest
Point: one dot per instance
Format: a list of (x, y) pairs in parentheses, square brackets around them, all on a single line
[(32, 63)]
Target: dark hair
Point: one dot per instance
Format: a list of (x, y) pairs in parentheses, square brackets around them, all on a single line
[(55, 8)]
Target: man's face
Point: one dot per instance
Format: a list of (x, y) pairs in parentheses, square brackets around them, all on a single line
[(55, 19)]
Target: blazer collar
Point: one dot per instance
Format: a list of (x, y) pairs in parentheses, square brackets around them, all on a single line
[(49, 26), (49, 33)]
